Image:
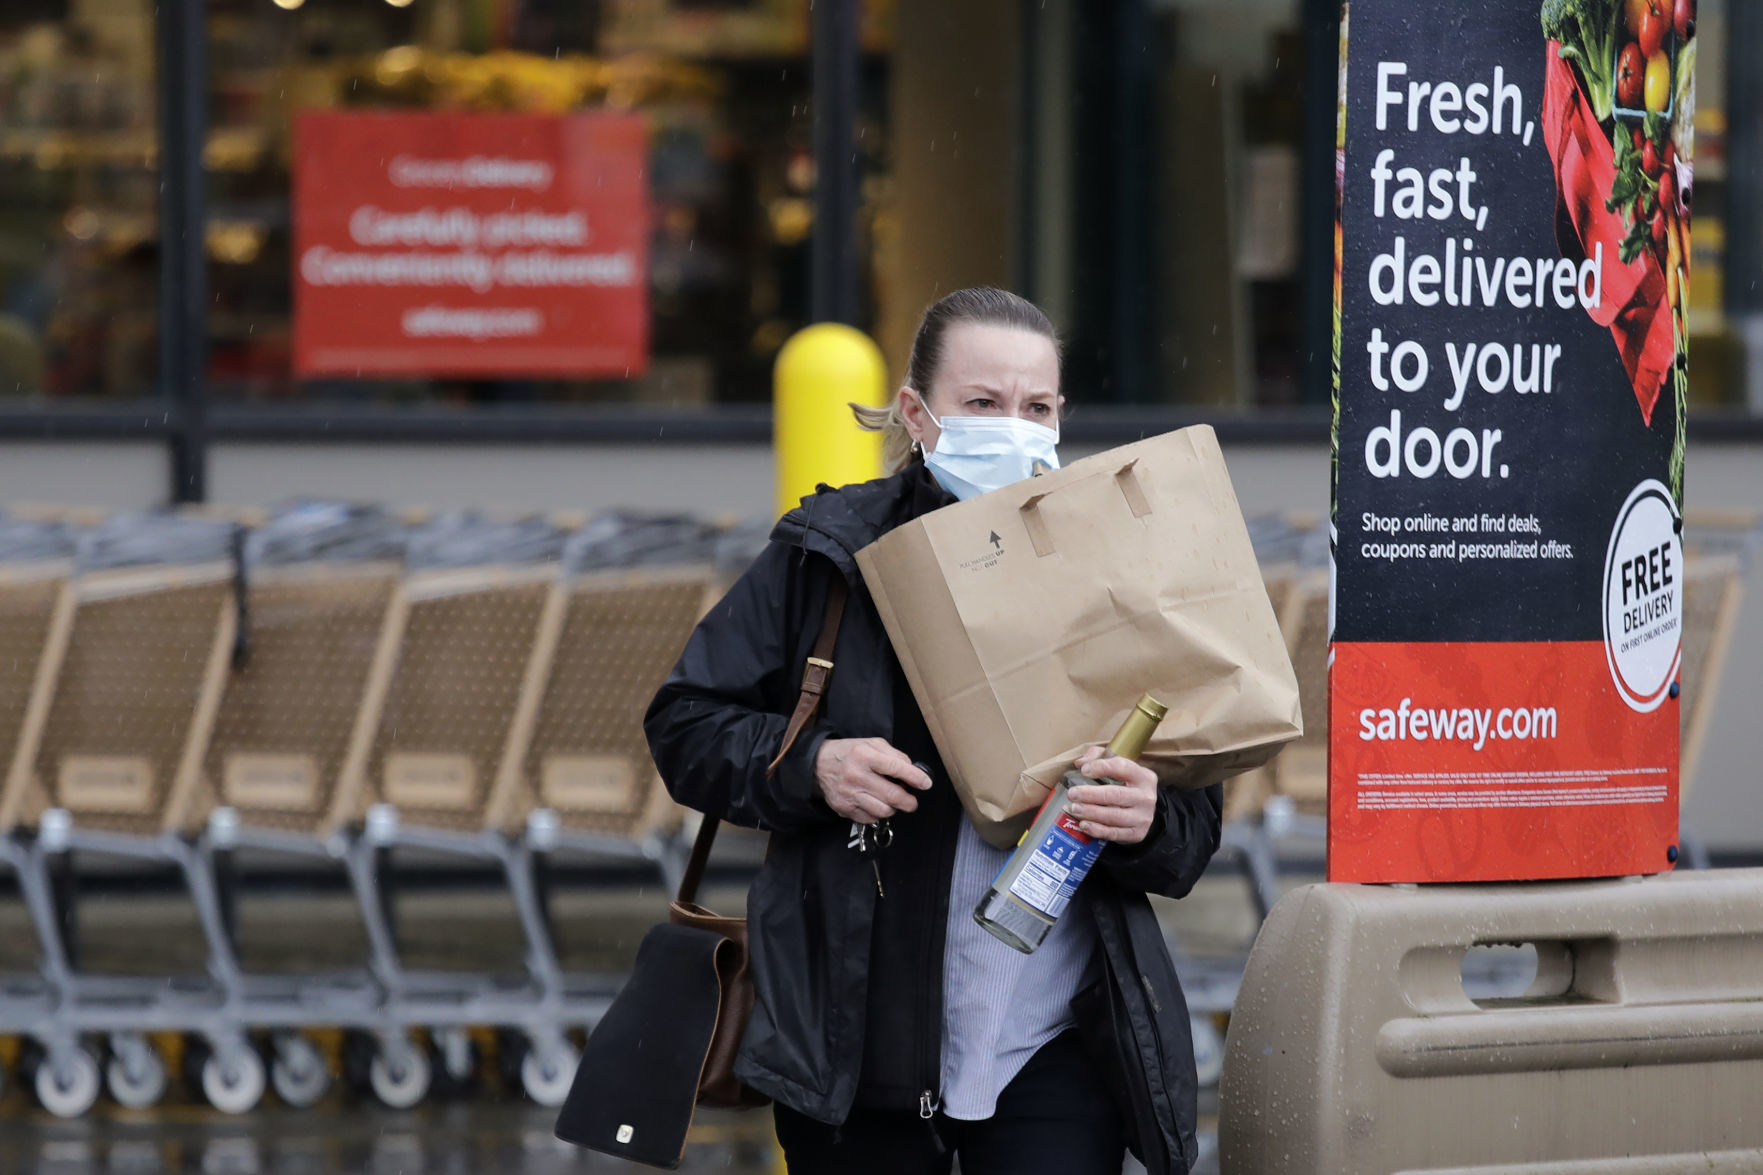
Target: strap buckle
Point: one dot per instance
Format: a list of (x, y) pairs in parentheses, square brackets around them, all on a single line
[(814, 676)]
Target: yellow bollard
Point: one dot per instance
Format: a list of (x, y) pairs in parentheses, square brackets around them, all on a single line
[(820, 370)]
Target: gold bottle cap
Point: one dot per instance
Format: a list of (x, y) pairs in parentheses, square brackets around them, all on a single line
[(1135, 733)]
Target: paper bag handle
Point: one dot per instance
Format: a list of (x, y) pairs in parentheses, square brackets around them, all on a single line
[(1126, 477), (1132, 489), (1038, 534)]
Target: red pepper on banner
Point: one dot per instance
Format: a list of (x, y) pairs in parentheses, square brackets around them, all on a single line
[(1633, 303)]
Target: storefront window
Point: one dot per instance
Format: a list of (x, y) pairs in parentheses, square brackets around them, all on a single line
[(1179, 265), (1229, 127), (78, 200), (723, 92), (1717, 348), (1145, 179), (1175, 258)]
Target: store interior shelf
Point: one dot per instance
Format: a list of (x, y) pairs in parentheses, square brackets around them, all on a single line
[(228, 149)]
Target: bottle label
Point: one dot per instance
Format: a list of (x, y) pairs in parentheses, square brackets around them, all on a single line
[(1057, 867)]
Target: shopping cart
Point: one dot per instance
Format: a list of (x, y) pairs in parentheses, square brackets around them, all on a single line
[(478, 609), (322, 622), (111, 756), (36, 610), (578, 776)]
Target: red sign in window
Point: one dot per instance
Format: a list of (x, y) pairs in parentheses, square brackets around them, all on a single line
[(470, 245)]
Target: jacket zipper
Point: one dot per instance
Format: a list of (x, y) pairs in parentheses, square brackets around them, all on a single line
[(930, 1039), (1156, 1026)]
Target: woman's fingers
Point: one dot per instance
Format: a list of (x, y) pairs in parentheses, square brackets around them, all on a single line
[(867, 809), (1121, 812), (883, 790), (1098, 797), (1118, 833), (870, 797), (866, 779), (1118, 769), (886, 760)]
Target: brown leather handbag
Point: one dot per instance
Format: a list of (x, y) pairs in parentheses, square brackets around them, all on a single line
[(668, 1042)]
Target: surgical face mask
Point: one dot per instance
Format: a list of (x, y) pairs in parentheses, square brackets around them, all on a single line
[(975, 454)]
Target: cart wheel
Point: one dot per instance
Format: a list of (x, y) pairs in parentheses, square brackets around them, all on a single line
[(400, 1074), (1208, 1051), (454, 1056), (135, 1073), (67, 1084), (298, 1072), (547, 1071), (233, 1079)]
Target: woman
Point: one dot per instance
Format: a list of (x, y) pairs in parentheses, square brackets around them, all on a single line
[(891, 1030)]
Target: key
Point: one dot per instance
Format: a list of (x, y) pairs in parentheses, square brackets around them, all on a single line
[(868, 840)]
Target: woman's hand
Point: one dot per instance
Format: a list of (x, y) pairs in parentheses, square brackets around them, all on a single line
[(862, 778), (1121, 811)]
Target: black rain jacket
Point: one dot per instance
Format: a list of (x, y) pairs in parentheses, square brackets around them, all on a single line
[(818, 935)]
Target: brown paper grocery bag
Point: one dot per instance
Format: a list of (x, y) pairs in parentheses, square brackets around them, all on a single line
[(1030, 619)]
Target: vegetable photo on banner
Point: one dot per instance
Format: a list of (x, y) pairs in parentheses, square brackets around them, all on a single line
[(1618, 109)]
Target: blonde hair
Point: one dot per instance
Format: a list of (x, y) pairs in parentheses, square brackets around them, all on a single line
[(978, 304), (891, 423)]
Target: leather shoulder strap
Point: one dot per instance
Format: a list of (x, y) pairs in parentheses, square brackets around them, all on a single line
[(818, 671), (815, 676)]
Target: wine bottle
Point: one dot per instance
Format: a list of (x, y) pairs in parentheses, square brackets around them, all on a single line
[(1055, 855)]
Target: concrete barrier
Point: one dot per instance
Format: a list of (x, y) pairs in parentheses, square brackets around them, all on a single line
[(1636, 1050)]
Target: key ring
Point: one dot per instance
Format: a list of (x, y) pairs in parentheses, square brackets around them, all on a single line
[(868, 839)]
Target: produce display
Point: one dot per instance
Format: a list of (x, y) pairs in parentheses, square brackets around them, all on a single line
[(1619, 106)]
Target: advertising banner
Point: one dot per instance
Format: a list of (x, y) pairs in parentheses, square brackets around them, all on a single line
[(470, 244), (1511, 258)]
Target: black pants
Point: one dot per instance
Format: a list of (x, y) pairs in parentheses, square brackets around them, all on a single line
[(1053, 1117)]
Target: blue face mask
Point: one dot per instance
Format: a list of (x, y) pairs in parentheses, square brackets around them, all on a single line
[(975, 454)]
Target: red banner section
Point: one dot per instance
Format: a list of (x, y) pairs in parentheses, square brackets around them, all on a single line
[(470, 245), (1494, 762), (1633, 303)]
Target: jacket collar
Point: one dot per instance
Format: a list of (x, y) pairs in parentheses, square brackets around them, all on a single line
[(837, 523)]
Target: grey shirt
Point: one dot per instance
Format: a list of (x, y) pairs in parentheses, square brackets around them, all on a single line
[(1000, 1005)]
